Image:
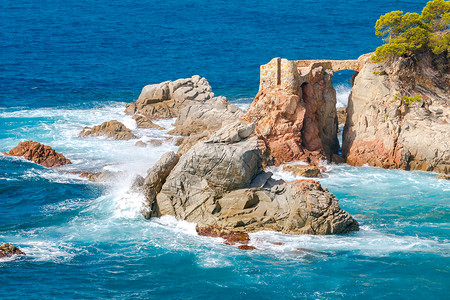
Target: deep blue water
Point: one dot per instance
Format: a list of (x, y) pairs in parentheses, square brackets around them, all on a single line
[(68, 64)]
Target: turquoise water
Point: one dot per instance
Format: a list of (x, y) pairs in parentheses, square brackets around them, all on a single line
[(68, 65)]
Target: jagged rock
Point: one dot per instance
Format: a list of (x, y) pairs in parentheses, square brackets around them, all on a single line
[(144, 122), (443, 176), (188, 142), (220, 185), (210, 115), (8, 250), (112, 129), (156, 176), (341, 115), (38, 153), (230, 237), (336, 159), (164, 100), (302, 170), (295, 112), (246, 247), (381, 130)]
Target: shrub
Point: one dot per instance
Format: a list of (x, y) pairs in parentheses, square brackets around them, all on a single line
[(408, 99), (408, 33)]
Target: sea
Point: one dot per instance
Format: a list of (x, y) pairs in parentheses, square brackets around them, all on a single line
[(69, 64)]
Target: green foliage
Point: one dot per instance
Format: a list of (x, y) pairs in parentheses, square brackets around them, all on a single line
[(407, 33), (408, 99), (379, 72), (440, 43)]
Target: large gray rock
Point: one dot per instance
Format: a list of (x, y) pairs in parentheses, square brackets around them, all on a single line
[(154, 180), (382, 130), (220, 185), (210, 115), (164, 100)]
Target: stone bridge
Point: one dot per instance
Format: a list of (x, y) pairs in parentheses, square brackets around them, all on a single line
[(335, 65), (288, 75)]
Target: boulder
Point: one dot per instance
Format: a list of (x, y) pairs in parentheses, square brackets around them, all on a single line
[(220, 185), (198, 121), (302, 170), (111, 129), (341, 114), (208, 116), (8, 250), (144, 122), (384, 130), (443, 176), (39, 153), (165, 100), (156, 177), (295, 112)]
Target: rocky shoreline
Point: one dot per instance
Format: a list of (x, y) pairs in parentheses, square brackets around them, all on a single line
[(217, 179)]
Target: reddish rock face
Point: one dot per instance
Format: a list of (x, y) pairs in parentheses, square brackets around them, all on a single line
[(382, 130), (295, 112), (39, 153), (231, 238)]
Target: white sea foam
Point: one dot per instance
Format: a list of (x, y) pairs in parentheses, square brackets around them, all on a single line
[(342, 94)]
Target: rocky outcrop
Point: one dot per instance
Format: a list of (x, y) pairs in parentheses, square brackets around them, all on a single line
[(198, 121), (166, 99), (111, 129), (39, 153), (8, 250), (144, 122), (220, 185), (302, 170), (341, 115), (156, 177), (383, 130), (208, 116), (295, 112)]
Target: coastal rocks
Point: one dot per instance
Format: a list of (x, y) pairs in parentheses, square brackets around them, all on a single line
[(165, 100), (210, 115), (385, 129), (341, 114), (156, 177), (295, 112), (144, 122), (443, 176), (39, 153), (8, 250), (198, 121), (220, 185), (302, 170), (111, 129)]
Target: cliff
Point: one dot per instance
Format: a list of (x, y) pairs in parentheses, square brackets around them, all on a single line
[(386, 128), (295, 109)]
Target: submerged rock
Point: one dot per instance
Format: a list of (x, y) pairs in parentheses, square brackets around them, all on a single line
[(111, 129), (383, 130), (38, 153), (8, 250)]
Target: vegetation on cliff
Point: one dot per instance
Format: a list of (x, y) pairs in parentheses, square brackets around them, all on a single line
[(408, 33)]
